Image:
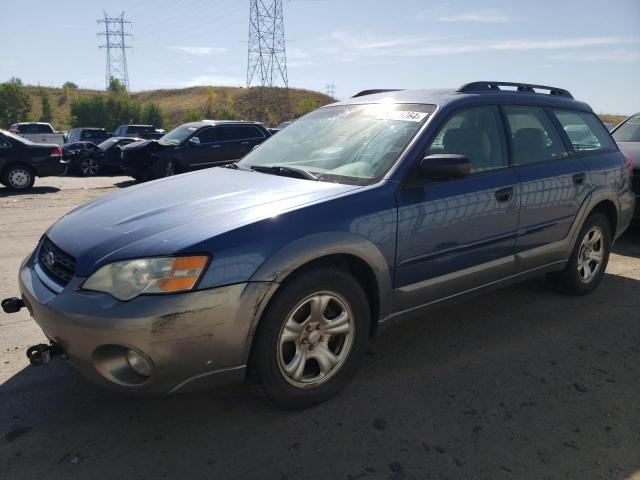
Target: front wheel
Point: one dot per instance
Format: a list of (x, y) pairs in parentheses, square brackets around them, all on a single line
[(162, 168), (589, 258), (88, 166), (311, 338), (18, 178)]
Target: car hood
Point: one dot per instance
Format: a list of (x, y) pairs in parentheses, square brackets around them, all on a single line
[(177, 213), (631, 150)]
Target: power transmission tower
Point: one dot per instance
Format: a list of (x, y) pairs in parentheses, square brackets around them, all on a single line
[(114, 35), (267, 53), (267, 56), (331, 90)]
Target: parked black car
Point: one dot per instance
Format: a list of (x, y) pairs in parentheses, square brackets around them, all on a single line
[(93, 135), (139, 131), (192, 146), (22, 160), (89, 159)]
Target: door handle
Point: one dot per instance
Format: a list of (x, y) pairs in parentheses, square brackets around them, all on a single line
[(244, 143), (504, 194), (579, 178), (214, 146)]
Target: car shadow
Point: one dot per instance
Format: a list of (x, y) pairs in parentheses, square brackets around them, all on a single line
[(629, 243), (5, 192), (520, 383)]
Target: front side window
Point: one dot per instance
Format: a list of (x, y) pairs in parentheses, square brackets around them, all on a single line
[(477, 134), (629, 131), (585, 131), (210, 135), (533, 137), (354, 144)]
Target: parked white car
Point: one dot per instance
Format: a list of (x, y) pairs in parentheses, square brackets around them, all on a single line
[(38, 132)]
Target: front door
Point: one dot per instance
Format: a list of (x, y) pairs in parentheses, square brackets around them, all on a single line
[(454, 236), (207, 152)]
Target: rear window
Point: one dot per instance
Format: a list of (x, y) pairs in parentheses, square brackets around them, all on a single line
[(586, 133), (629, 131)]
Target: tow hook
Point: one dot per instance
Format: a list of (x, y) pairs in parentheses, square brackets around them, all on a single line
[(12, 305), (42, 353)]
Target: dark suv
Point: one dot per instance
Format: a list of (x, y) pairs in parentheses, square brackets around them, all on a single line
[(282, 266), (192, 146)]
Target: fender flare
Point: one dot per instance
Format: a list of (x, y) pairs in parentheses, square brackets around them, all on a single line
[(315, 247)]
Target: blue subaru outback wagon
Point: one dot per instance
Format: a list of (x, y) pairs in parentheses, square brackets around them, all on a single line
[(279, 268)]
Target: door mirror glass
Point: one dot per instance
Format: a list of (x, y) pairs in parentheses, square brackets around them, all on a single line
[(445, 166), (194, 141)]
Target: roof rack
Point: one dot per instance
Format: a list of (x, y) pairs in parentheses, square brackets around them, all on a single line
[(374, 91), (520, 87)]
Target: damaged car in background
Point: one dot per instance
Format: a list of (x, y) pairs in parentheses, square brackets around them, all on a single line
[(192, 146)]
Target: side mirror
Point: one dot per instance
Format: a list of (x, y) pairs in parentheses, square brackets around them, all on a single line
[(194, 141), (447, 166)]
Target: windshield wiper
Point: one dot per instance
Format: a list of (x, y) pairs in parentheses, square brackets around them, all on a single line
[(284, 170)]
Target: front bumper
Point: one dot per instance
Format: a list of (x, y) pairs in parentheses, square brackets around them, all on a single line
[(192, 340)]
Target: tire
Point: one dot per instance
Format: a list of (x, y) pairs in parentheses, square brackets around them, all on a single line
[(18, 177), (88, 167), (589, 258), (281, 346)]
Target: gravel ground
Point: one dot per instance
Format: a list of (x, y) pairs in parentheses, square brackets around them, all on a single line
[(522, 383)]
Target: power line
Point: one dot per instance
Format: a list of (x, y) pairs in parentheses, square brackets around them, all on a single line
[(114, 35)]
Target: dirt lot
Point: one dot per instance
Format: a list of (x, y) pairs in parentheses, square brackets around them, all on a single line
[(523, 383)]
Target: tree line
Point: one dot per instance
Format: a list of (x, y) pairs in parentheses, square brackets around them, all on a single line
[(109, 109)]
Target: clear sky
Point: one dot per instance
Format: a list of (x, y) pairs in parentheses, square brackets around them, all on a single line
[(590, 47)]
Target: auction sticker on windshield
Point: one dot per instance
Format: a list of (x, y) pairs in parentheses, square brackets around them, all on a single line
[(403, 115)]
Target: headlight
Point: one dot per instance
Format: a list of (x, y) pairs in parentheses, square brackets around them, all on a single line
[(128, 279)]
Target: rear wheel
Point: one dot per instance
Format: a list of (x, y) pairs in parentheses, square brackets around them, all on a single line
[(311, 338), (589, 258), (18, 177)]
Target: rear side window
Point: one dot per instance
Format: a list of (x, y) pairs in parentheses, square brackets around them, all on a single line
[(585, 131), (629, 131), (43, 129), (241, 132), (477, 134), (533, 136)]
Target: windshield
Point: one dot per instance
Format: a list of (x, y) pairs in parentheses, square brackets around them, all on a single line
[(346, 144), (179, 134), (107, 143), (629, 131)]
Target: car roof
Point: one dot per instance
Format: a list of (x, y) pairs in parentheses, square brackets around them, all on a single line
[(476, 92), (204, 123)]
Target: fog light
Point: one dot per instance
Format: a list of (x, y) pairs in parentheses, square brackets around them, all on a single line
[(140, 364)]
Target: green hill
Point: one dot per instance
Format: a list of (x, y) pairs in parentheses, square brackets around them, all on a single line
[(191, 103)]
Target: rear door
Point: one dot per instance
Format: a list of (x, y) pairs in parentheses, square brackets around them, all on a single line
[(552, 184), (240, 139), (458, 235)]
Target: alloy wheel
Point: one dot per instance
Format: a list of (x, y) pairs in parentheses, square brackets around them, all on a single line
[(315, 340), (89, 167), (591, 254)]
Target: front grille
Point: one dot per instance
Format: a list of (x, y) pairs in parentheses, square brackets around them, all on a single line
[(58, 265), (635, 184)]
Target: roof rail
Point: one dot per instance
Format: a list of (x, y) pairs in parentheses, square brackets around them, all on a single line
[(520, 87), (374, 91)]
